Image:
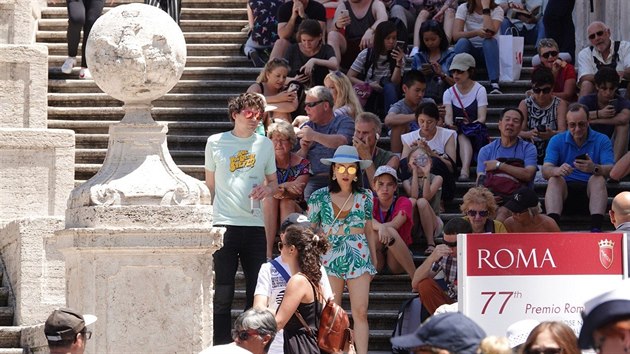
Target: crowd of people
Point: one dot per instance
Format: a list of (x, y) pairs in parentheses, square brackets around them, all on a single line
[(335, 81)]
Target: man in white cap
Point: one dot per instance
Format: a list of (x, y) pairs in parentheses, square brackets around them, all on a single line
[(66, 331), (606, 326)]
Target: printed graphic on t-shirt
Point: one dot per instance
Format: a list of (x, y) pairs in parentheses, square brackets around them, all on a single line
[(243, 159), (278, 286)]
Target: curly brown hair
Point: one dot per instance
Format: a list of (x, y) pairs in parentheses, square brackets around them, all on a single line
[(310, 247), (245, 100)]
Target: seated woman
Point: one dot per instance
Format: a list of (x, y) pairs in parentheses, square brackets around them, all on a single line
[(434, 59), (564, 75), (346, 100), (381, 68), (479, 208), (440, 143), (424, 190), (271, 84), (441, 12), (476, 26), (545, 114), (551, 337), (310, 58), (293, 173), (302, 250), (466, 105), (393, 220)]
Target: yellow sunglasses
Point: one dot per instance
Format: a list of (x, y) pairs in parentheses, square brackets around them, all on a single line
[(351, 170)]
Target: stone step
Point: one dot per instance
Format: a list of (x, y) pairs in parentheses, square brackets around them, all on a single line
[(191, 37), (209, 13), (75, 85), (168, 100), (186, 25), (10, 337), (6, 316), (190, 73), (174, 128), (195, 49)]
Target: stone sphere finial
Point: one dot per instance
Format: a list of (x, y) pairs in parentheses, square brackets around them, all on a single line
[(136, 53)]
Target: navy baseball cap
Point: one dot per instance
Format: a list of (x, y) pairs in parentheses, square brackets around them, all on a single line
[(604, 309), (452, 331)]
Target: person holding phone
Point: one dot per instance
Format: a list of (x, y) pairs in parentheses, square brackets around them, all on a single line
[(577, 163), (523, 18), (425, 191), (545, 114), (271, 84), (609, 112), (563, 72), (476, 26)]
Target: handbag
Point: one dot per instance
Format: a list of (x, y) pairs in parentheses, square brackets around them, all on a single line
[(334, 333), (501, 184), (363, 91), (477, 132), (510, 57)]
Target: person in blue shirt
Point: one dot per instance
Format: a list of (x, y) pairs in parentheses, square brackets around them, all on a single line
[(576, 164)]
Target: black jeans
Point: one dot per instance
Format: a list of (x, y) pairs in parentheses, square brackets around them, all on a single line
[(81, 15), (558, 21), (247, 243)]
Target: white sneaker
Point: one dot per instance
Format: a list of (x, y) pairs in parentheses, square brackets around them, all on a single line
[(85, 73), (67, 66)]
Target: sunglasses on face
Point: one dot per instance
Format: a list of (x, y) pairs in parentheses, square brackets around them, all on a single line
[(351, 170), (578, 124), (544, 90), (312, 104), (481, 213), (244, 335), (544, 351), (250, 113), (596, 34), (552, 53)]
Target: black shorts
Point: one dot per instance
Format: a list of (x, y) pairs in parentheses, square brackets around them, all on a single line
[(577, 199)]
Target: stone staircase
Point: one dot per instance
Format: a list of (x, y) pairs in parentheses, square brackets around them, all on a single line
[(196, 107), (10, 335)]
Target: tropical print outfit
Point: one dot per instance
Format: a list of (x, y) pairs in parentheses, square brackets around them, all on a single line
[(349, 256)]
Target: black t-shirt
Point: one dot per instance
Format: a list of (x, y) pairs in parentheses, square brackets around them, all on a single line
[(297, 59), (313, 10)]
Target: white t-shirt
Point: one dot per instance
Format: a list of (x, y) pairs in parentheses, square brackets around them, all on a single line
[(474, 21), (586, 64), (436, 144), (238, 164), (272, 285), (231, 348), (478, 92)]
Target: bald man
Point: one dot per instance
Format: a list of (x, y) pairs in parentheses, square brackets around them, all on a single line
[(620, 212)]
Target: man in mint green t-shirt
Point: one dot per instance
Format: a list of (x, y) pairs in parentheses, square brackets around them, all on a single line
[(240, 172)]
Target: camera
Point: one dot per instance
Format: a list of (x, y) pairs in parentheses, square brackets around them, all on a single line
[(422, 160)]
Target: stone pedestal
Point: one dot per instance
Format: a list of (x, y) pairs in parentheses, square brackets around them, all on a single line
[(150, 288)]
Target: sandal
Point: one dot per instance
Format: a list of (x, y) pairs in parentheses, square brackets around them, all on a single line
[(429, 250)]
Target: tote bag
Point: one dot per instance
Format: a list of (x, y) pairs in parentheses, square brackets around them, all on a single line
[(510, 57)]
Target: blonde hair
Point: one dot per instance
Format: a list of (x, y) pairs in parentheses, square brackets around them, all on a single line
[(480, 195), (272, 65), (494, 345), (281, 127), (345, 93)]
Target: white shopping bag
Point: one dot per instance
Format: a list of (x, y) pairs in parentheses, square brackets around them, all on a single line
[(510, 57)]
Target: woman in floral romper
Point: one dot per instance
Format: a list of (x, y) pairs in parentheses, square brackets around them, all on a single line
[(344, 211)]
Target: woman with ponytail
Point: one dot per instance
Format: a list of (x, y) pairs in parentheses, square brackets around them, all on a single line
[(302, 249)]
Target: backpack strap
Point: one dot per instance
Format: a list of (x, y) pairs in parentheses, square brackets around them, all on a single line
[(367, 63), (280, 270)]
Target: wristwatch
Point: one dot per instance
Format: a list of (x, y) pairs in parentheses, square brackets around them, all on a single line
[(596, 170), (497, 165)]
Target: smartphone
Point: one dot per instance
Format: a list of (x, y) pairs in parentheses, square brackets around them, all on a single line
[(422, 160), (582, 157), (459, 119), (293, 87), (427, 66), (344, 13), (613, 102), (487, 30), (541, 128), (401, 45)]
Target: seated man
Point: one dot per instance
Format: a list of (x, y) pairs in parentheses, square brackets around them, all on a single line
[(577, 161), (322, 135), (357, 22), (443, 258), (526, 214), (601, 52), (367, 127), (620, 212), (290, 15), (609, 112), (523, 18), (509, 159)]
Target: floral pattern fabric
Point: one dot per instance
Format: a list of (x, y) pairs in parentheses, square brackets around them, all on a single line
[(265, 31), (349, 256)]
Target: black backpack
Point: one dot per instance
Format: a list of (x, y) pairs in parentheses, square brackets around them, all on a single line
[(408, 320)]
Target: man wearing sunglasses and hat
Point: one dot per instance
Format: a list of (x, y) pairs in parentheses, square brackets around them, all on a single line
[(66, 331)]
